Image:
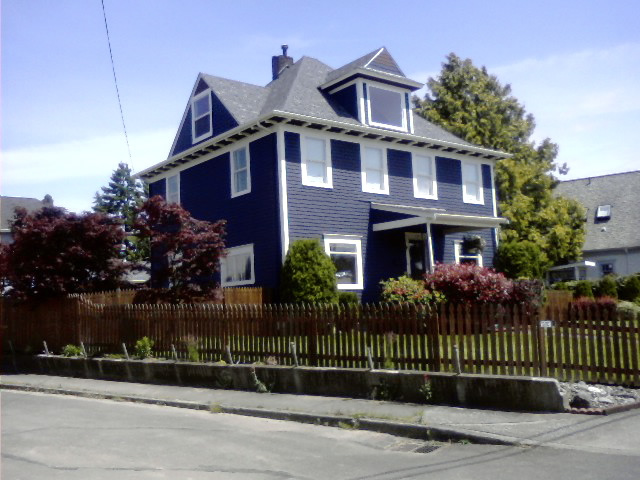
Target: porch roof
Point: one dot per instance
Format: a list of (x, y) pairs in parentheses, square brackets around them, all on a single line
[(436, 216)]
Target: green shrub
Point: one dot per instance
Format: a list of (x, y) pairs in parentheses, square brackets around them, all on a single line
[(72, 351), (348, 298), (584, 288), (144, 348), (607, 287), (308, 274), (407, 290), (629, 311), (560, 286), (192, 348), (522, 259), (629, 288)]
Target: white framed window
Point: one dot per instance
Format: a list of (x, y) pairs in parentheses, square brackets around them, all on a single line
[(375, 177), (461, 256), (472, 191), (346, 254), (240, 172), (387, 107), (201, 125), (316, 162), (603, 212), (237, 268), (424, 177), (173, 188)]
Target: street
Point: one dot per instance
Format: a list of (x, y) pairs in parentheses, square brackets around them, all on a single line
[(55, 437)]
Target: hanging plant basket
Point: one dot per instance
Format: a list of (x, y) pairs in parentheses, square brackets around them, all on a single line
[(473, 244)]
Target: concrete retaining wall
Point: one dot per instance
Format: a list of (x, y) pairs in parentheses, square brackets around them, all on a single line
[(480, 391)]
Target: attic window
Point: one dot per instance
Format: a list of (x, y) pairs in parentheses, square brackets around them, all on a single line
[(201, 116), (387, 108), (603, 212)]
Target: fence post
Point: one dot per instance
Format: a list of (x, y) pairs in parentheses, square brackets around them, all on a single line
[(541, 346)]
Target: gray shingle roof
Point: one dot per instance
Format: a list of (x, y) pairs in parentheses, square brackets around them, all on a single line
[(8, 206), (243, 100), (619, 190)]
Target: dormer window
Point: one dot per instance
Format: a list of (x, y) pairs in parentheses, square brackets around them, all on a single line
[(386, 107), (201, 116), (603, 212)]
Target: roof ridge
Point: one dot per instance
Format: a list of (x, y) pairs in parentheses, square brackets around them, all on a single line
[(599, 176)]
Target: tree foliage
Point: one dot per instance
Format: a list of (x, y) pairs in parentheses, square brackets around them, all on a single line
[(308, 274), (524, 259), (122, 198), (55, 253), (186, 252), (474, 105)]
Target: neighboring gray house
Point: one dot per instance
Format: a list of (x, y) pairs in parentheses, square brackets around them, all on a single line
[(8, 206), (613, 221)]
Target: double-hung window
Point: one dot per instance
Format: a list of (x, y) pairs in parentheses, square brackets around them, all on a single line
[(424, 177), (238, 266), (316, 162), (472, 183), (375, 178), (346, 254), (387, 108), (201, 116), (240, 172), (173, 189), (461, 256)]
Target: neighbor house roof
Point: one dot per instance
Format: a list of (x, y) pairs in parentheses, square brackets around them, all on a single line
[(620, 191), (8, 206)]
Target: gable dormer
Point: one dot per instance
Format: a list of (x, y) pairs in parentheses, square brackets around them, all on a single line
[(374, 90)]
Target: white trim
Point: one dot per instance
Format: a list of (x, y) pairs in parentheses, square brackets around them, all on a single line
[(328, 171), (385, 171), (170, 200), (378, 75), (282, 192), (496, 233), (432, 263), (410, 117), (466, 198), (232, 170), (392, 225), (403, 108), (343, 86), (434, 183), (348, 239), (373, 58), (231, 252), (361, 102), (457, 254), (209, 113)]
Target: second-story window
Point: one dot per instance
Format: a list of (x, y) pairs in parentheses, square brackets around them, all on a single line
[(472, 183), (173, 189), (201, 116), (374, 170), (316, 162), (424, 177), (240, 172)]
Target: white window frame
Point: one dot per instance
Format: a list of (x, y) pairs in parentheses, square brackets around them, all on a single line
[(458, 255), (351, 240), (206, 93), (235, 252), (402, 105), (415, 158), (173, 197), (328, 171), (466, 198), (363, 172), (233, 171)]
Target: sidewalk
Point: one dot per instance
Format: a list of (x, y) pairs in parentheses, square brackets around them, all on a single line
[(618, 433)]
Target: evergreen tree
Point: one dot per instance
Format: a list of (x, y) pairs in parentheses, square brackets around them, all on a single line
[(472, 104), (121, 199), (308, 274)]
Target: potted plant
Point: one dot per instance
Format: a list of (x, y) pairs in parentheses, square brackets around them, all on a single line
[(473, 243)]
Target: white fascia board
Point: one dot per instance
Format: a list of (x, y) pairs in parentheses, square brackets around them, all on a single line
[(406, 209), (584, 263), (468, 220), (390, 77)]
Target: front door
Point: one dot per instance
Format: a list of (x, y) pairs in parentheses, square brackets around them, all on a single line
[(415, 253)]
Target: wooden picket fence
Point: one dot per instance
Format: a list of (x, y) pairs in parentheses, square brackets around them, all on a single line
[(590, 344), (231, 296)]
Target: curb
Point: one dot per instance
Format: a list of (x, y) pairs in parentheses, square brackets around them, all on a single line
[(399, 429)]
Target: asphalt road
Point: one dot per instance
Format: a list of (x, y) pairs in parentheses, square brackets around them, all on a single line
[(57, 437)]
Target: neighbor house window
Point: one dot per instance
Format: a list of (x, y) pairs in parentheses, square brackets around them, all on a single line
[(238, 266), (387, 107), (607, 268), (316, 162), (461, 256), (472, 183), (346, 254), (173, 189), (374, 170), (240, 172), (201, 116), (603, 212), (424, 177)]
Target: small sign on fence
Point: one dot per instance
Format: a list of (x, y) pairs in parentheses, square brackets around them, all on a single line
[(546, 323)]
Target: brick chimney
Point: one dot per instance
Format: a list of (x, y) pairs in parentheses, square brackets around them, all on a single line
[(280, 62)]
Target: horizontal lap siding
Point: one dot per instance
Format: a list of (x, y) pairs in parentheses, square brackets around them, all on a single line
[(348, 99)]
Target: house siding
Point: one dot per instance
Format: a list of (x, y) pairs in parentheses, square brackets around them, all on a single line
[(348, 99)]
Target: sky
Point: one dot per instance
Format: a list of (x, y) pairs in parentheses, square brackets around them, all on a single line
[(574, 65)]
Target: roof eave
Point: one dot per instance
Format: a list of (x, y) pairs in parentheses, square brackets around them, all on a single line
[(369, 72)]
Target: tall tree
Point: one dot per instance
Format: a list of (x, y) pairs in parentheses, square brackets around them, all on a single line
[(186, 252), (55, 253), (474, 105), (121, 199)]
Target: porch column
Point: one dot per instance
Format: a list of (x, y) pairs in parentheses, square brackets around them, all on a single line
[(429, 247)]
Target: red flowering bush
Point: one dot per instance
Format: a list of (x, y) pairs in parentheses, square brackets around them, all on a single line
[(468, 283)]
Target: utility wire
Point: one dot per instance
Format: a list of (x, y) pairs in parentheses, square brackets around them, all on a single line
[(115, 80)]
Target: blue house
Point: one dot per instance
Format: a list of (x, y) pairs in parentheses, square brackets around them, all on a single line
[(332, 154)]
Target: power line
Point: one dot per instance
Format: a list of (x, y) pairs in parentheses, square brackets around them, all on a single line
[(115, 80)]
